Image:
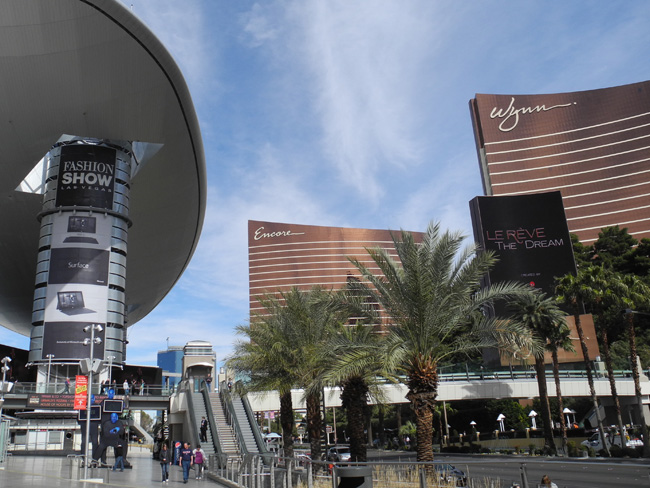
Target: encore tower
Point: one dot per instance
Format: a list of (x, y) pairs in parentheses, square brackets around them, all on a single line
[(283, 256)]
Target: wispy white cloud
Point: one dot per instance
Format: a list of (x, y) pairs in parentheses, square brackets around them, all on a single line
[(267, 189), (355, 113), (364, 64), (182, 27)]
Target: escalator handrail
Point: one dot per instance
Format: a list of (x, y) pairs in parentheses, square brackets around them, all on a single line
[(216, 441)]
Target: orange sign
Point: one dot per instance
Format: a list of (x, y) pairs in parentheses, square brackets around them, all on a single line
[(80, 392)]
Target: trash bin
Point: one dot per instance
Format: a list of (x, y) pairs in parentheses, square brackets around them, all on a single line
[(354, 477)]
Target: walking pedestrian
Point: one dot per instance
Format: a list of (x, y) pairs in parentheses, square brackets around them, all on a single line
[(546, 481), (186, 461), (199, 459), (119, 457), (204, 430), (165, 462)]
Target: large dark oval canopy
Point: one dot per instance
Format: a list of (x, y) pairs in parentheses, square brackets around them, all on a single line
[(90, 68)]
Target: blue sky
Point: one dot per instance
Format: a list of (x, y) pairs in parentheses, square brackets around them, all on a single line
[(354, 114)]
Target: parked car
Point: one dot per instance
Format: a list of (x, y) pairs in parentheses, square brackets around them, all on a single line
[(338, 453), (449, 474)]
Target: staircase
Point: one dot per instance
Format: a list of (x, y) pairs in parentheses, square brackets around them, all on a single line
[(226, 434)]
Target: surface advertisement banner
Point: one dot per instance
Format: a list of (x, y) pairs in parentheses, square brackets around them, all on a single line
[(77, 290), (86, 176)]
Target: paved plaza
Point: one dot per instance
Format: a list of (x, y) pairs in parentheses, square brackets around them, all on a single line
[(61, 472)]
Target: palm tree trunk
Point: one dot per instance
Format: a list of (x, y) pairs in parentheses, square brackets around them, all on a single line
[(612, 381), (590, 379), (423, 389), (637, 386), (424, 427), (549, 445), (354, 398), (558, 393), (314, 425), (286, 419)]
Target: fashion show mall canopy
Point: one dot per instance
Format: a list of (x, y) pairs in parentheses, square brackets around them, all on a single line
[(90, 68)]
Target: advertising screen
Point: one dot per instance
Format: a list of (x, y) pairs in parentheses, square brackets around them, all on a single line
[(528, 234)]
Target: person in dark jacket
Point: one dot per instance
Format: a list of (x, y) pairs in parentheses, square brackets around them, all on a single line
[(165, 462), (119, 457), (204, 429)]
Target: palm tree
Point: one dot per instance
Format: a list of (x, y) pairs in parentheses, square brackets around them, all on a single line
[(269, 360), (636, 295), (607, 289), (434, 307), (542, 316), (316, 316), (574, 291), (560, 338), (354, 364)]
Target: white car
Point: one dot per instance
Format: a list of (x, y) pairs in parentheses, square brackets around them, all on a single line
[(338, 453)]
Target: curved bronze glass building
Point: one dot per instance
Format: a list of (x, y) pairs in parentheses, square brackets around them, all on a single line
[(282, 256), (593, 146)]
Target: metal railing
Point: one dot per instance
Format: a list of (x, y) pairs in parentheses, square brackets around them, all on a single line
[(214, 428), (4, 439), (187, 388), (30, 387), (231, 418), (250, 471), (261, 445)]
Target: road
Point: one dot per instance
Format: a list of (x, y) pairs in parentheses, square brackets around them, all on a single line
[(574, 473)]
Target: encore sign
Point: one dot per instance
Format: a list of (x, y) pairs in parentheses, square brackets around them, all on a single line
[(80, 392)]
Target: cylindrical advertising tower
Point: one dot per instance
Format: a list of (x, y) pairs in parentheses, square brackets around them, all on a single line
[(81, 267)]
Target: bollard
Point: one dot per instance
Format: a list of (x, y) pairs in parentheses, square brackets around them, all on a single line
[(357, 477), (524, 475)]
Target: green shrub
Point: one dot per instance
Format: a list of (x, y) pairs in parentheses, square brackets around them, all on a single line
[(572, 447)]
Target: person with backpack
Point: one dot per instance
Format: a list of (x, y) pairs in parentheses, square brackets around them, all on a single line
[(199, 459)]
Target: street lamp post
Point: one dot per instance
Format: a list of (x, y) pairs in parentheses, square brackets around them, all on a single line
[(49, 369), (90, 341), (110, 370)]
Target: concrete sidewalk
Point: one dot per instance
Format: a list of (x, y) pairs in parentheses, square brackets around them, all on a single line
[(60, 472)]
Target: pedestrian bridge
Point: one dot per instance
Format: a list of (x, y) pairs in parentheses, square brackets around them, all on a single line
[(452, 387), (487, 385)]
